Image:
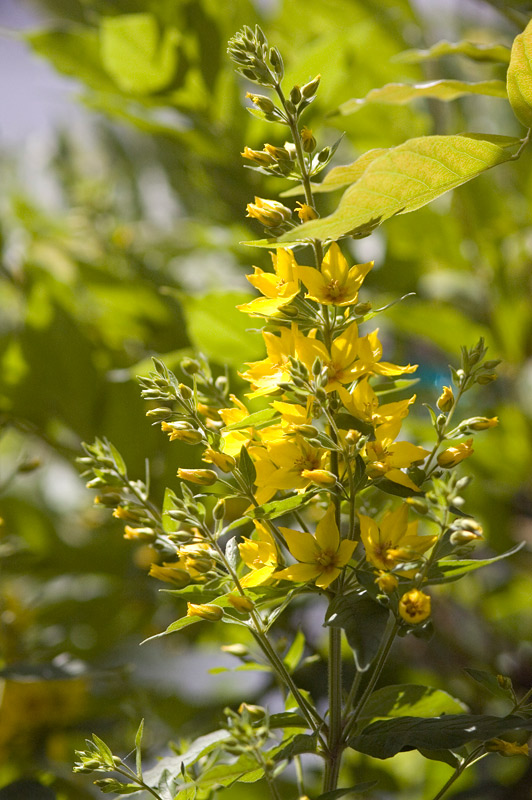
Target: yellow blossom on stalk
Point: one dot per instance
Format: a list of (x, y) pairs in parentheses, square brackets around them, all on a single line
[(335, 283), (453, 455), (223, 461), (320, 477), (414, 606), (387, 582), (386, 457), (307, 139), (321, 557), (266, 375), (170, 573), (260, 555), (363, 404), (446, 400), (203, 477), (350, 357), (282, 464), (261, 157), (279, 288), (233, 441), (306, 213), (394, 540), (196, 560), (240, 603), (483, 423), (206, 611), (177, 431)]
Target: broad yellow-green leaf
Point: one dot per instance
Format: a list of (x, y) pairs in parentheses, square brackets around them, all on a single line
[(399, 94), (404, 179), (338, 177), (136, 54), (478, 52), (519, 78)]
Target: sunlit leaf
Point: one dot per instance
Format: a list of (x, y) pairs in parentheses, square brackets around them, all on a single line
[(338, 177), (405, 178), (135, 53), (279, 507), (447, 571), (519, 77), (409, 700), (400, 93), (478, 52)]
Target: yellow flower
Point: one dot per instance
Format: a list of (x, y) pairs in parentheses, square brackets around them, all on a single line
[(206, 611), (233, 441), (282, 464), (260, 555), (483, 423), (414, 606), (446, 400), (181, 432), (386, 582), (363, 404), (261, 157), (453, 455), (139, 534), (321, 558), (240, 602), (306, 213), (507, 748), (196, 559), (279, 288), (307, 139), (335, 284), (319, 477), (386, 457), (394, 541), (370, 354), (170, 573), (223, 461), (265, 375), (270, 213)]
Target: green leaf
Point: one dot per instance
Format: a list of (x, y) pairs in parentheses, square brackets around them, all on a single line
[(338, 177), (387, 738), (364, 623), (447, 571), (295, 652), (256, 420), (410, 700), (104, 750), (178, 625), (276, 508), (136, 55), (300, 743), (478, 52), (219, 330), (74, 52), (519, 77), (404, 179), (399, 94), (246, 466), (335, 794), (288, 719), (252, 667), (243, 769), (169, 504), (490, 682), (172, 764)]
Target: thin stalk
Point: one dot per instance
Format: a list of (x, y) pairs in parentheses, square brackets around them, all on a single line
[(270, 780), (334, 745), (355, 686), (382, 656), (476, 755)]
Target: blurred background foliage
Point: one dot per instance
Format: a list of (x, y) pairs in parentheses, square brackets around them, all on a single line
[(133, 250)]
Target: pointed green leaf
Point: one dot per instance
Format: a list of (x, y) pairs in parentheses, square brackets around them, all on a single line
[(405, 178), (244, 769), (446, 571), (295, 652), (258, 419), (178, 625), (277, 508), (288, 719), (386, 738), (364, 622), (409, 700), (136, 54), (490, 682), (169, 504), (138, 751), (519, 77), (338, 177), (104, 750), (172, 764), (300, 743), (247, 467), (399, 94), (478, 52)]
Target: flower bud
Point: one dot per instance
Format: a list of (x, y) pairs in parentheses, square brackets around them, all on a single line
[(506, 748), (264, 103), (139, 534), (362, 308), (308, 140), (352, 436), (310, 88), (446, 400), (255, 712), (177, 432), (205, 611), (306, 430), (295, 95), (29, 465), (461, 537), (218, 511), (387, 582), (414, 607), (159, 413), (453, 455), (258, 156), (482, 423), (223, 461), (170, 573), (203, 477), (320, 477), (270, 213), (488, 377), (190, 366), (240, 603), (419, 504), (186, 391), (277, 153)]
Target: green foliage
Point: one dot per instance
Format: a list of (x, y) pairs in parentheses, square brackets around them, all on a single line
[(520, 77)]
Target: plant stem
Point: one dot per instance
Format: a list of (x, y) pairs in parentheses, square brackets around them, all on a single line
[(334, 744), (467, 762), (382, 656)]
